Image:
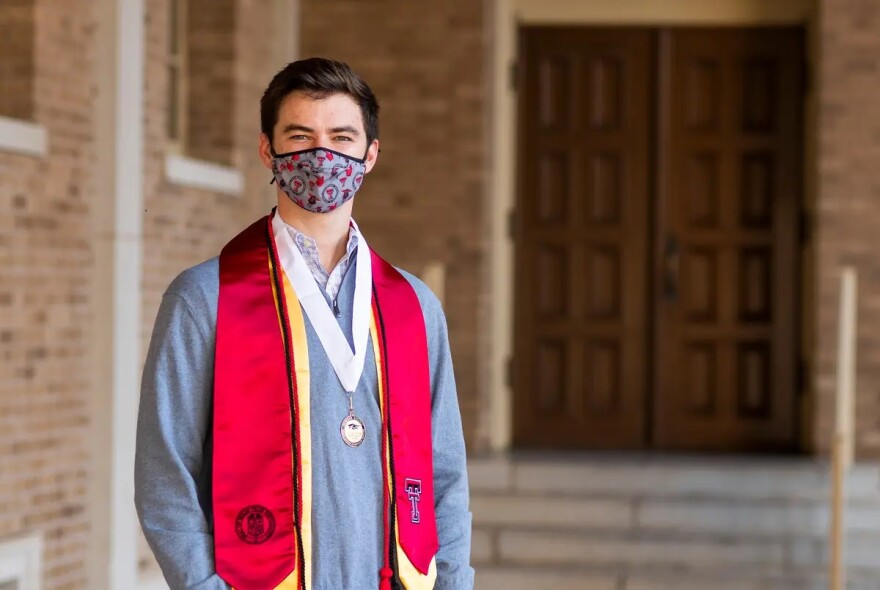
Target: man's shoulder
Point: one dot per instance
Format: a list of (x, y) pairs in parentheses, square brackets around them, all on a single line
[(198, 285), (431, 307)]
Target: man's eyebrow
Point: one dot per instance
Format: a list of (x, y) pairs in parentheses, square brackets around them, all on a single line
[(345, 129), (295, 127)]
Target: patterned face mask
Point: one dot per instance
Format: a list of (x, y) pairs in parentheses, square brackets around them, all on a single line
[(318, 180)]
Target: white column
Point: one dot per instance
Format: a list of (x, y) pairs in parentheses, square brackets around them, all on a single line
[(287, 46), (118, 244), (287, 49), (502, 195)]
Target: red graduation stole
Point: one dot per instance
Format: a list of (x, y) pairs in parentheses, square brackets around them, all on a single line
[(262, 441)]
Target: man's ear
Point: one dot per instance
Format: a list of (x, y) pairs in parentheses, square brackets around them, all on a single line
[(265, 151), (372, 155)]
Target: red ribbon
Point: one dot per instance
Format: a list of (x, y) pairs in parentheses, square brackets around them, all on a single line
[(405, 350), (254, 533)]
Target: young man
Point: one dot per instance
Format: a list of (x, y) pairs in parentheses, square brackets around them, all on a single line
[(299, 426)]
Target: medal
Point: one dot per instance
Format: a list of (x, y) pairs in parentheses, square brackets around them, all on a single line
[(352, 428), (347, 361)]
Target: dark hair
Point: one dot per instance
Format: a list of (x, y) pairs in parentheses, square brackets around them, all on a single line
[(319, 77)]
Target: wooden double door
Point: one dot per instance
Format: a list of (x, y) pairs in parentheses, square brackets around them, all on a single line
[(657, 237)]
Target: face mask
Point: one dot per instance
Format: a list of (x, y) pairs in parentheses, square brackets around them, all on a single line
[(318, 180)]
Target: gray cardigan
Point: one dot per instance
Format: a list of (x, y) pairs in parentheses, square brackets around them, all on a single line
[(174, 443)]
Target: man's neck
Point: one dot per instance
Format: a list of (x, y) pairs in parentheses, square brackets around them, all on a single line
[(329, 230)]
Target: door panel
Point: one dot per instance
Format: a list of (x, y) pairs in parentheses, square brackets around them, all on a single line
[(581, 306), (657, 238), (729, 188)]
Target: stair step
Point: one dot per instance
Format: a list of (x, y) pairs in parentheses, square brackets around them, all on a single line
[(483, 546), (552, 547), (661, 523), (771, 518), (753, 517), (519, 578), (614, 476), (522, 546), (733, 582), (603, 578), (563, 512)]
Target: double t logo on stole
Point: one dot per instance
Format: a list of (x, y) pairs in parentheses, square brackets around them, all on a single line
[(414, 491)]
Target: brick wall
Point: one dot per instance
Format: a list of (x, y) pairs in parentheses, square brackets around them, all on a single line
[(848, 207), (46, 310), (211, 85), (184, 226), (424, 200), (17, 59)]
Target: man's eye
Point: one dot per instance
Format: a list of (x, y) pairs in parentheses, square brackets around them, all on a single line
[(298, 137), (342, 138)]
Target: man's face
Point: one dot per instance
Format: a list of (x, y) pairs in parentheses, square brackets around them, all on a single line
[(334, 122)]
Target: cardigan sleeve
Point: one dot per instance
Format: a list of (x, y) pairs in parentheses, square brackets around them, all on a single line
[(171, 476), (452, 511)]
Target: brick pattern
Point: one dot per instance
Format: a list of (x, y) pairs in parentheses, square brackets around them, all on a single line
[(848, 207), (210, 80), (46, 311), (184, 226), (425, 199), (17, 59)]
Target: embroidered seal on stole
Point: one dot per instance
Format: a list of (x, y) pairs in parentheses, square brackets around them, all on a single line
[(255, 524)]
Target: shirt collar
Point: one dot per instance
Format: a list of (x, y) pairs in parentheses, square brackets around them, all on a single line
[(309, 243)]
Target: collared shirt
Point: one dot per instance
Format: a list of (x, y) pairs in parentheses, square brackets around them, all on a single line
[(331, 281)]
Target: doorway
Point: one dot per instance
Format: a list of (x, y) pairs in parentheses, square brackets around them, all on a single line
[(657, 238)]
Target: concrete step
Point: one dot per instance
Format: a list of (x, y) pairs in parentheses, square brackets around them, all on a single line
[(534, 578), (709, 515), (754, 517), (535, 547), (597, 578), (630, 523), (615, 476), (552, 511), (528, 547), (773, 583)]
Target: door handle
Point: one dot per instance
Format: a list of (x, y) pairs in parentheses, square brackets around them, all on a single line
[(671, 266)]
